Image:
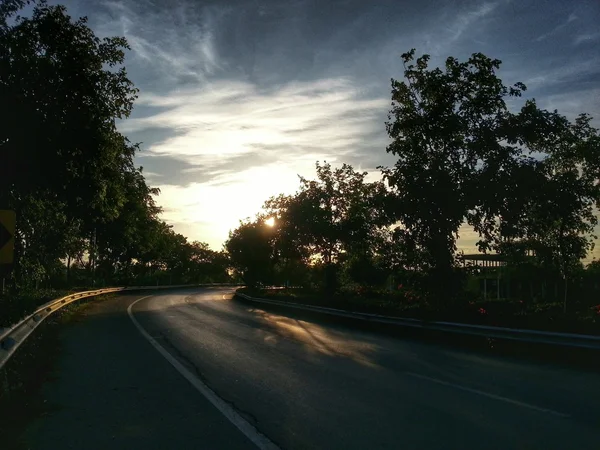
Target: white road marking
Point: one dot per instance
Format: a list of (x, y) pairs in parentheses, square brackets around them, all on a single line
[(487, 394), (259, 439)]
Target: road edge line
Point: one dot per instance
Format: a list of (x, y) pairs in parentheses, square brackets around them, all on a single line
[(489, 395), (247, 429)]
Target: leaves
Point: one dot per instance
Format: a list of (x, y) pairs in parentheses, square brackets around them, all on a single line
[(462, 156), (338, 212), (67, 171)]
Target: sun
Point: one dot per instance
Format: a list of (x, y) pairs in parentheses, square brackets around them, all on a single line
[(270, 221)]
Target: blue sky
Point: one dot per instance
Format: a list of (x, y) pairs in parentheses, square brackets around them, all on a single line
[(237, 97)]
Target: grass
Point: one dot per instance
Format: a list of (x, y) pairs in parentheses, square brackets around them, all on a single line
[(15, 306)]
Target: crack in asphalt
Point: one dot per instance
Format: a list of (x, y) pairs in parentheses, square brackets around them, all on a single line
[(186, 361)]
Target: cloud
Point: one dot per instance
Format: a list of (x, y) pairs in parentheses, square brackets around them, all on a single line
[(571, 105), (152, 175), (216, 207), (238, 97), (177, 45), (467, 241), (588, 37), (231, 122), (240, 144), (448, 27), (572, 17), (465, 20), (553, 73)]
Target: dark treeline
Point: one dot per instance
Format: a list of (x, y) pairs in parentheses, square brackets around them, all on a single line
[(85, 214), (525, 180)]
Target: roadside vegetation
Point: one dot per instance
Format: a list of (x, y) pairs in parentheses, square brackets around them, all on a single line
[(86, 217), (523, 178)]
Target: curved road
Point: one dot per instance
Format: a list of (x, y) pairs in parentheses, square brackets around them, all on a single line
[(302, 384), (308, 385)]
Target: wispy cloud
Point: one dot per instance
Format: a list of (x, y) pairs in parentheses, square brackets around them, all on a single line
[(246, 144), (152, 175), (572, 17), (466, 19), (238, 97), (224, 120), (176, 44), (588, 37), (570, 104), (452, 27), (557, 73)]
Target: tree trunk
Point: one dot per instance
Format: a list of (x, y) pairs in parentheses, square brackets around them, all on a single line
[(485, 287), (543, 290), (565, 299), (68, 269), (531, 290), (498, 285)]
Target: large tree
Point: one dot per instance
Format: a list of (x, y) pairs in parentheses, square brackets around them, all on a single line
[(251, 251), (62, 89), (557, 217), (337, 212), (447, 128), (331, 217), (463, 156)]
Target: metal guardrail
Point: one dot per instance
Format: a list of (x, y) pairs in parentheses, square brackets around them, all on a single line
[(533, 336), (12, 337)]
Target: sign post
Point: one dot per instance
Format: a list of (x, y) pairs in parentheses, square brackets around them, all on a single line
[(7, 239)]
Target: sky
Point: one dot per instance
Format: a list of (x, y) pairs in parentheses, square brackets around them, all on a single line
[(238, 97)]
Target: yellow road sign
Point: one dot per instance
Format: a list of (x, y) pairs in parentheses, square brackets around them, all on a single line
[(7, 236)]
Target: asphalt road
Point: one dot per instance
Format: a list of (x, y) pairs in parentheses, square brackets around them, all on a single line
[(302, 384)]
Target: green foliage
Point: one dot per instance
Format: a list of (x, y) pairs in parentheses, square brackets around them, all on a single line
[(366, 270), (558, 218), (527, 181), (85, 214), (336, 213), (524, 181), (446, 128), (251, 249), (329, 218)]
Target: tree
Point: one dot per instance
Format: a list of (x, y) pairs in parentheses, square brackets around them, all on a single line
[(464, 157), (251, 251), (366, 270), (206, 265), (558, 217), (447, 132), (338, 213), (55, 79), (125, 238), (67, 171), (62, 92)]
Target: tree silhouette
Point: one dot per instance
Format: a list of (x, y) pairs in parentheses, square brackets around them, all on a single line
[(66, 170), (463, 156), (336, 214)]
